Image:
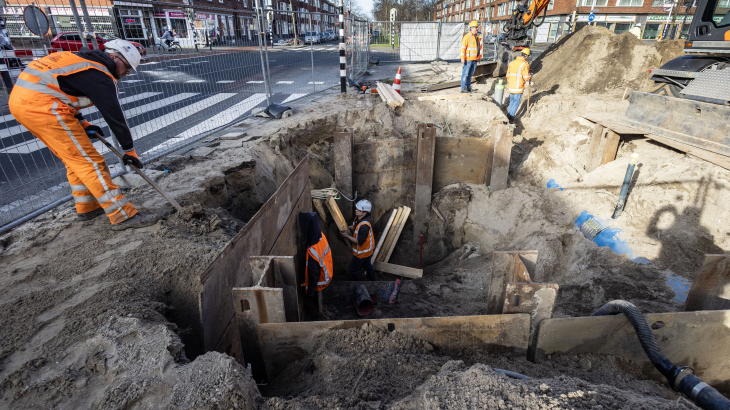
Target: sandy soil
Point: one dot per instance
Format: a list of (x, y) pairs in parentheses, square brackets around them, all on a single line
[(102, 319)]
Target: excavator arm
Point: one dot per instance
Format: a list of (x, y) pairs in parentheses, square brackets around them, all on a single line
[(522, 19)]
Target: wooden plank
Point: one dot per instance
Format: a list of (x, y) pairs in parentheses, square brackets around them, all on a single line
[(500, 152), (319, 206), (401, 224), (444, 97), (391, 233), (609, 147), (460, 160), (615, 125), (426, 135), (405, 271), (593, 158), (391, 97), (697, 339), (285, 343), (286, 279), (711, 287), (343, 147), (709, 156), (507, 266), (336, 214), (383, 235), (231, 268)]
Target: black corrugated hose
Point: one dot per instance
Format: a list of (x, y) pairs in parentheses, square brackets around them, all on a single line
[(682, 378)]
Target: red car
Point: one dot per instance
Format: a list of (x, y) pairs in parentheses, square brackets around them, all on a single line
[(71, 41)]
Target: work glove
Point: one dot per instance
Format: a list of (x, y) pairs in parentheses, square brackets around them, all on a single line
[(130, 158), (92, 130)]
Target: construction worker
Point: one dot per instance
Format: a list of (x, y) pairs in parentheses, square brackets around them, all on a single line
[(518, 73), (362, 241), (319, 267), (47, 100), (471, 53), (636, 30)]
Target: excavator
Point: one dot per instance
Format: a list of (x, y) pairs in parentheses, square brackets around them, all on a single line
[(689, 109)]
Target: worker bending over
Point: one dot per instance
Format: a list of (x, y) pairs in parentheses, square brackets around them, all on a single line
[(362, 241), (318, 270), (471, 53), (518, 73), (47, 100)]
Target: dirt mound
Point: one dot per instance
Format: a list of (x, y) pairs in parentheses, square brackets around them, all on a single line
[(594, 60)]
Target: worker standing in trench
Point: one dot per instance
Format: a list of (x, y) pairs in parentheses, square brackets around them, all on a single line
[(319, 267), (471, 53), (518, 73), (362, 242), (47, 100)]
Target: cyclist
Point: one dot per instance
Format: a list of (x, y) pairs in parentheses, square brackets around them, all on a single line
[(167, 36)]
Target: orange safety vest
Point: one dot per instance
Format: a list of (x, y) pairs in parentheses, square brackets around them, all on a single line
[(367, 247), (320, 252), (518, 73), (470, 50), (39, 80)]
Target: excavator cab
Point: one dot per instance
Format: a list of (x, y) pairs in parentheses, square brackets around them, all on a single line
[(710, 29)]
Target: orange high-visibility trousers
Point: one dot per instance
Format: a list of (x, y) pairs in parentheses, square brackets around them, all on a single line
[(54, 123)]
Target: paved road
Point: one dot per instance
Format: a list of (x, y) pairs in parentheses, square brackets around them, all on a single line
[(171, 100)]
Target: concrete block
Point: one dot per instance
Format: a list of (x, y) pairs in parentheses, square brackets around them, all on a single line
[(201, 152), (232, 136), (132, 180), (230, 144)]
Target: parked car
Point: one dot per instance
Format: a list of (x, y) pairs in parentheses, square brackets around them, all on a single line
[(330, 35), (313, 37), (71, 41)]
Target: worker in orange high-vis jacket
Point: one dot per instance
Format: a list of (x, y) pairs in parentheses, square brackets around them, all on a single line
[(518, 73), (471, 53), (47, 100), (318, 269), (362, 241)]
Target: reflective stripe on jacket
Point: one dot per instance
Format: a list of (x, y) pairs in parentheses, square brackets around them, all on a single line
[(41, 76), (518, 73), (320, 252), (471, 47), (367, 247)]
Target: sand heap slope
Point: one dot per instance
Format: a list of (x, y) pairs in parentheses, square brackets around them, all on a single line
[(595, 60)]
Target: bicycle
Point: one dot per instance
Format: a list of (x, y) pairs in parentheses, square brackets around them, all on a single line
[(162, 47)]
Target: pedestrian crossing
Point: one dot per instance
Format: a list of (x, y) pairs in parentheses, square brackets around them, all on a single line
[(165, 119)]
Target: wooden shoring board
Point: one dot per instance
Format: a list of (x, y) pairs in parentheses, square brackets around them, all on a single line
[(711, 288), (697, 339), (231, 268), (399, 229), (389, 95), (398, 270), (500, 152), (507, 266), (605, 140), (615, 125), (343, 147), (319, 206), (336, 214), (391, 233), (285, 343), (709, 156), (426, 135), (445, 97), (460, 160), (384, 234), (537, 299)]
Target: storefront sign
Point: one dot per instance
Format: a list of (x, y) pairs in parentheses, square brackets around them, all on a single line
[(203, 16), (130, 21), (159, 14), (553, 19), (176, 14), (13, 10), (613, 17), (126, 3), (661, 18), (66, 11)]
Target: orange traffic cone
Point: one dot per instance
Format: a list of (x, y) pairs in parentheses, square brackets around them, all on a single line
[(396, 83)]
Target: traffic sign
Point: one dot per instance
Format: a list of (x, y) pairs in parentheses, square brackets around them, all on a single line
[(35, 20), (591, 17)]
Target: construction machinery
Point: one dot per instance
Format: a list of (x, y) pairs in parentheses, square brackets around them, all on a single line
[(524, 17)]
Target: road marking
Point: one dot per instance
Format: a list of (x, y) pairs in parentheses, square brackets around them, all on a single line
[(122, 101), (195, 81), (293, 97), (149, 63), (316, 82), (133, 81), (184, 64), (220, 119), (163, 81), (254, 82), (173, 66), (142, 109), (225, 82), (285, 82)]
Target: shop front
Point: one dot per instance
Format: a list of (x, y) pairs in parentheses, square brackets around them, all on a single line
[(134, 22), (177, 22), (547, 32), (656, 25)]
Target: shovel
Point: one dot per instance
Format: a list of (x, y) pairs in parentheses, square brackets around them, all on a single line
[(140, 173)]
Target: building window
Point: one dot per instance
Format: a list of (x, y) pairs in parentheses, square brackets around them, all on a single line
[(657, 3), (551, 4), (468, 3), (502, 11), (629, 3), (651, 31), (512, 5), (622, 28)]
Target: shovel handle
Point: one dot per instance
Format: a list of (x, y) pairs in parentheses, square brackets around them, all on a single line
[(140, 173)]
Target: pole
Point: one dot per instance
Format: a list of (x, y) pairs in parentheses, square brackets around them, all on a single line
[(438, 45), (261, 54), (343, 59), (72, 3), (41, 36), (625, 188), (293, 22), (87, 20), (572, 23), (666, 25)]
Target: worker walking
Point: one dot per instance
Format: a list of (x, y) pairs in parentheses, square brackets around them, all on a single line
[(319, 267), (471, 53), (47, 100), (362, 241), (518, 73)]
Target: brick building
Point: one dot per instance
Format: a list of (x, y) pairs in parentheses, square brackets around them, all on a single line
[(616, 15)]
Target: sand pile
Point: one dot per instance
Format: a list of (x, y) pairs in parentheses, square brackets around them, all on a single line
[(595, 60)]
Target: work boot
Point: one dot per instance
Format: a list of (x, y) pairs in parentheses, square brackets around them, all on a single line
[(137, 221), (511, 119), (471, 90), (87, 216), (464, 90)]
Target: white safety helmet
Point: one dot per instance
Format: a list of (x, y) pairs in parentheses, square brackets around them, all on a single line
[(126, 49), (364, 205)]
